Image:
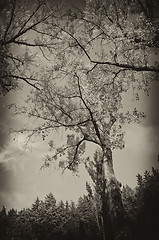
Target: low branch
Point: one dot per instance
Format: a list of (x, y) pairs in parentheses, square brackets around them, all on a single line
[(60, 124), (75, 154)]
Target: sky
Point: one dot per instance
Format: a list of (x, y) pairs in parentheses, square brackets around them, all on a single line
[(141, 141), (21, 179)]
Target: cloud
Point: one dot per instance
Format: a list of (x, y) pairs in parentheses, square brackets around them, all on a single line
[(4, 133), (153, 106), (139, 154), (22, 181), (7, 173)]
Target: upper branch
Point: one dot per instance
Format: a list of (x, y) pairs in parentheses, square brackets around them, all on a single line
[(116, 64), (89, 110), (30, 17), (11, 19), (13, 39)]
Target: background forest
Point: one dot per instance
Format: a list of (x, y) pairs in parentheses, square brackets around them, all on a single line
[(82, 72), (50, 219)]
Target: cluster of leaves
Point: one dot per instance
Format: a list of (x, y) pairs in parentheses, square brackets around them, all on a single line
[(23, 38), (50, 219), (97, 55)]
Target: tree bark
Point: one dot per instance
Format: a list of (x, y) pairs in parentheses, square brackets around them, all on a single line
[(112, 203)]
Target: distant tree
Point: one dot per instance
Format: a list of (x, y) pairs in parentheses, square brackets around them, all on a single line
[(3, 223), (88, 228), (147, 193), (22, 225), (50, 201), (13, 228), (129, 201), (131, 207), (66, 221), (36, 204), (72, 222)]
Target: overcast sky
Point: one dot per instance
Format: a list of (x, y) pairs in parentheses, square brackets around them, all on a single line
[(21, 179)]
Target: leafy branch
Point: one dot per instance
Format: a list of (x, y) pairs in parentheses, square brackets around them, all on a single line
[(89, 110), (116, 64), (25, 79)]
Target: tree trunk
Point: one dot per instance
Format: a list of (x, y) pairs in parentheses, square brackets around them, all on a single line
[(108, 233), (112, 202)]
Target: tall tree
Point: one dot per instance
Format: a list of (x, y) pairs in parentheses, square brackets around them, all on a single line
[(99, 196)]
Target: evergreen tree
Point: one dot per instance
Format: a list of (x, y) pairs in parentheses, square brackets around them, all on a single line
[(3, 222), (147, 194)]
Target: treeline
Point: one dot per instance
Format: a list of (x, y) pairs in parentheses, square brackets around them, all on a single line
[(52, 220)]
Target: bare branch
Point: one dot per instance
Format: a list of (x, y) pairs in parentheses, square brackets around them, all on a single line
[(60, 124), (89, 110), (90, 70), (56, 105), (47, 34), (116, 64), (12, 57), (68, 97), (75, 154), (95, 37), (106, 13), (33, 44), (25, 79), (13, 39), (30, 17), (59, 152), (11, 19), (75, 39), (44, 54)]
